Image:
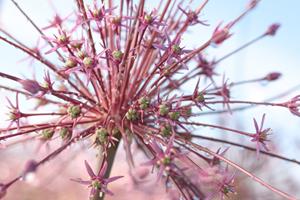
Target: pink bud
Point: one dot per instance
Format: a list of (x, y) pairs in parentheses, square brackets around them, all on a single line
[(31, 86), (220, 34), (30, 166), (293, 105), (252, 4), (273, 76), (273, 29)]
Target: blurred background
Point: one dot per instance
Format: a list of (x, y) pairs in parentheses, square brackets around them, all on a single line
[(280, 54)]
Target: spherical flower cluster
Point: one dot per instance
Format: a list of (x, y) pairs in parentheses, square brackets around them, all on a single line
[(120, 75)]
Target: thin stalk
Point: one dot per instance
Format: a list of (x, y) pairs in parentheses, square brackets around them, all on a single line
[(245, 147), (110, 161)]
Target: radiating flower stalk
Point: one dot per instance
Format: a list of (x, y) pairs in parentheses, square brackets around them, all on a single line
[(120, 75)]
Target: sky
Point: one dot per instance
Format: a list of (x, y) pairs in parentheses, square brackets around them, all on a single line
[(279, 53)]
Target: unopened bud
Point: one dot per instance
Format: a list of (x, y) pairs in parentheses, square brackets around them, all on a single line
[(31, 86), (29, 170), (273, 29), (273, 76), (252, 4)]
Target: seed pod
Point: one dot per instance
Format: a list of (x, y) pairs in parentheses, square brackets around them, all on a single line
[(101, 135), (47, 134), (163, 109), (174, 115), (74, 111), (132, 115)]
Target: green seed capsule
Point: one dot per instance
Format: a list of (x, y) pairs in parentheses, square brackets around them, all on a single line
[(163, 109), (65, 133), (144, 103), (148, 19), (74, 111), (62, 38), (47, 134), (70, 63), (117, 54), (174, 115), (102, 135), (166, 160), (200, 97), (88, 61), (81, 54), (176, 48), (166, 130), (132, 115)]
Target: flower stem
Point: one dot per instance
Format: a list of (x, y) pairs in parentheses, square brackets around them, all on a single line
[(111, 152)]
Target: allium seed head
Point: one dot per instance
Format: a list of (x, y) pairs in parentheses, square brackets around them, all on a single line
[(118, 73)]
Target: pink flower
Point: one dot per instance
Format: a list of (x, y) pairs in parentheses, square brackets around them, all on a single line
[(164, 160), (260, 137), (97, 182), (192, 17), (149, 20), (56, 22), (293, 105), (221, 34)]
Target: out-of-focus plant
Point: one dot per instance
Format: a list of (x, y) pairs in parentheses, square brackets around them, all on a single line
[(120, 75)]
